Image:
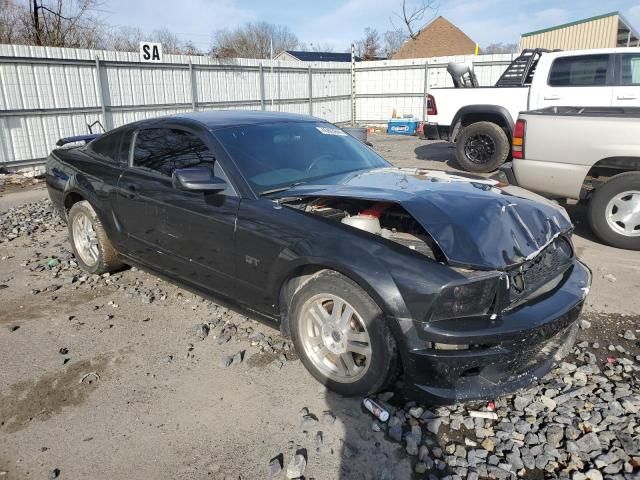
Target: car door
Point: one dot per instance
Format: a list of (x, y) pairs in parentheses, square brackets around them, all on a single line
[(102, 162), (626, 91), (580, 80), (185, 234)]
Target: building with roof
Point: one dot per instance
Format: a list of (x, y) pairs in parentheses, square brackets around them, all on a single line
[(300, 56), (603, 31), (437, 39)]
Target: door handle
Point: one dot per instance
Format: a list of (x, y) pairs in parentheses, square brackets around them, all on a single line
[(626, 97), (552, 97)]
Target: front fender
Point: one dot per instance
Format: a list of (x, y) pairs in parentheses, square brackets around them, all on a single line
[(369, 273), (403, 283)]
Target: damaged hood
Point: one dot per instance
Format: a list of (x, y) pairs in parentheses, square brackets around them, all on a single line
[(475, 222)]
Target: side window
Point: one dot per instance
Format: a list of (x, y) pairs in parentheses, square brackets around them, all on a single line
[(163, 150), (579, 71), (107, 147), (630, 69)]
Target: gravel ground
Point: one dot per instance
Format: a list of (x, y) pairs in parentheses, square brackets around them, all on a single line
[(129, 376)]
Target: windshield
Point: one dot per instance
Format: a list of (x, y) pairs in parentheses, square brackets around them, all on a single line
[(277, 155)]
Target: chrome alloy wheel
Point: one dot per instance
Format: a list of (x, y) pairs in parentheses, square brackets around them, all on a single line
[(85, 239), (623, 213), (335, 338)]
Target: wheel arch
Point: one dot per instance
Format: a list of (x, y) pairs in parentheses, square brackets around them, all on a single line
[(481, 113), (604, 170), (71, 198), (611, 166), (76, 189), (296, 277)]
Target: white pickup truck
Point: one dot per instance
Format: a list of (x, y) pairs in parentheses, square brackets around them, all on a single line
[(591, 154), (480, 120)]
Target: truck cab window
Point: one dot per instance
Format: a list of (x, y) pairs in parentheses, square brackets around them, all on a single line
[(579, 71), (630, 69)]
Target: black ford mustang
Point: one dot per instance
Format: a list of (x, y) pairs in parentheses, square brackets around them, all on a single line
[(469, 287)]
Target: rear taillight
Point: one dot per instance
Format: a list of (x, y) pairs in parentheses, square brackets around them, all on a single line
[(518, 139), (432, 109)]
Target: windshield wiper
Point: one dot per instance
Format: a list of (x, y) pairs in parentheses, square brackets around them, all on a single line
[(280, 189)]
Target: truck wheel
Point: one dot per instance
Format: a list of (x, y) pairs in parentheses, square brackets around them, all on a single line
[(91, 246), (614, 211), (342, 336), (482, 147)]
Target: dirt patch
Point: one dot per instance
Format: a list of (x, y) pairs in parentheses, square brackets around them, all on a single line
[(41, 305), (40, 399)]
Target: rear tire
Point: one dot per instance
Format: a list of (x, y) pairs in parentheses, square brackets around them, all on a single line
[(482, 147), (317, 337), (91, 246), (614, 211)]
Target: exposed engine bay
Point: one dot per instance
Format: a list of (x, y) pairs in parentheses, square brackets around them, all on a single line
[(388, 220)]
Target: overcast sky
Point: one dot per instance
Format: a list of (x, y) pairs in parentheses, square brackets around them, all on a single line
[(337, 23)]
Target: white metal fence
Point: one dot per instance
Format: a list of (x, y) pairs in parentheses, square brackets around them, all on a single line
[(387, 86), (49, 93)]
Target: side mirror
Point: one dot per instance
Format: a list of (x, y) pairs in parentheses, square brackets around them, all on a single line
[(198, 179)]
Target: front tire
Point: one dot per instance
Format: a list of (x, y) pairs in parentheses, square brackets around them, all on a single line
[(614, 211), (91, 246), (482, 147), (341, 335)]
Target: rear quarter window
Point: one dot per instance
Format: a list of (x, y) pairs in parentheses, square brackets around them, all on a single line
[(579, 71), (108, 148)]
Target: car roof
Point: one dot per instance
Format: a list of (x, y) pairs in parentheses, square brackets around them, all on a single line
[(225, 118), (593, 51)]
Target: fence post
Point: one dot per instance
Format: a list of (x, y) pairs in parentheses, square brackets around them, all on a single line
[(261, 88), (107, 122), (310, 91), (278, 87), (426, 90), (353, 85), (192, 82)]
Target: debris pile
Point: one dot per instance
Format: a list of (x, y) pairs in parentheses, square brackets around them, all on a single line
[(581, 422), (28, 219)]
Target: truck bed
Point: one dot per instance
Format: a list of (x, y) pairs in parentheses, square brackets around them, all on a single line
[(562, 144), (450, 100)]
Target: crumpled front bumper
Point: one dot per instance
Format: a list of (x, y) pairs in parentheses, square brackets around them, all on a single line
[(504, 354)]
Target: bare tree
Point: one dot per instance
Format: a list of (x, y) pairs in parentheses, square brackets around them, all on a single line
[(393, 40), (125, 39), (253, 40), (191, 49), (169, 40), (9, 22), (413, 16), (500, 48), (62, 23), (368, 48)]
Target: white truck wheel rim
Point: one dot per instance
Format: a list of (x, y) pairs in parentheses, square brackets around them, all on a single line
[(623, 213)]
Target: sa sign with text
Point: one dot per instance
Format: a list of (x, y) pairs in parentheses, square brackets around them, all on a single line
[(151, 52)]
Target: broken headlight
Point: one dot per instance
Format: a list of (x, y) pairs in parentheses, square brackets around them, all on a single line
[(465, 300)]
